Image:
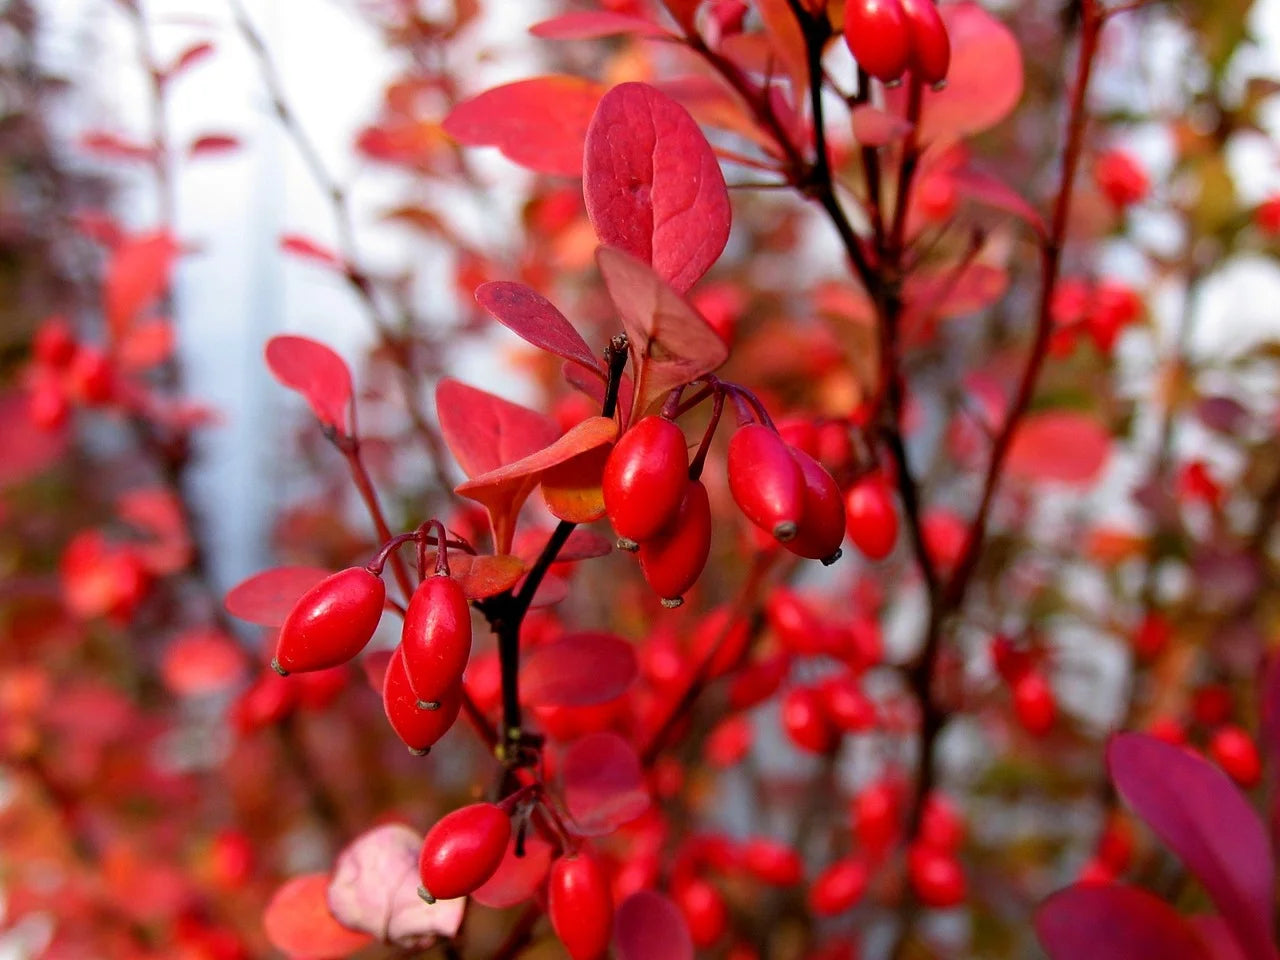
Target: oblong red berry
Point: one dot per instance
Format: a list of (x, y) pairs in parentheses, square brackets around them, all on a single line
[(821, 529), (704, 909), (871, 517), (673, 560), (838, 887), (331, 622), (766, 481), (805, 721), (930, 55), (418, 727), (645, 478), (877, 35), (580, 906), (937, 877), (462, 851), (436, 639)]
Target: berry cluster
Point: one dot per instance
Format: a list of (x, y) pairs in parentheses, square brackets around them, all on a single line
[(890, 37)]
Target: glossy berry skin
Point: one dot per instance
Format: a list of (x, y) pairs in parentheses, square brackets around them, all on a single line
[(704, 911), (876, 32), (418, 728), (645, 478), (1034, 703), (936, 877), (930, 56), (1235, 752), (871, 517), (673, 560), (436, 639), (806, 723), (822, 526), (839, 887), (462, 851), (580, 906), (331, 622), (766, 481)]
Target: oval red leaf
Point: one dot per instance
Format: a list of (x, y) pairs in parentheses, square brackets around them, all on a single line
[(593, 24), (541, 123), (533, 317), (200, 662), (484, 431), (1113, 922), (267, 597), (648, 926), (316, 372), (578, 670), (517, 878), (653, 186), (298, 922), (136, 275), (604, 785), (1206, 821), (1060, 445), (301, 246)]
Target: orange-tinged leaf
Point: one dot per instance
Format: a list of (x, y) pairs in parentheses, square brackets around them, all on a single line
[(787, 40), (573, 490), (1061, 445), (484, 431), (137, 274), (540, 124), (298, 922), (481, 576)]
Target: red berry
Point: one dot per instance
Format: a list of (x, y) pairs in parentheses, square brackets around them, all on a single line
[(800, 433), (331, 622), (1234, 751), (1096, 873), (721, 637), (580, 906), (729, 741), (757, 682), (821, 528), (806, 723), (47, 404), (462, 851), (936, 877), (418, 727), (793, 623), (839, 887), (876, 32), (766, 481), (871, 516), (54, 345), (846, 705), (941, 826), (704, 911), (1115, 845), (1266, 217), (772, 862), (672, 559), (266, 702), (1152, 636), (875, 817), (930, 55), (1120, 178), (436, 639), (1211, 705), (645, 478), (1168, 730), (1034, 703), (90, 377)]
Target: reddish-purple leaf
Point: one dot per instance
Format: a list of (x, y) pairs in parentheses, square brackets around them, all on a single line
[(1270, 697), (653, 186), (533, 317), (1114, 922), (986, 188), (28, 449), (1217, 937), (593, 24), (604, 785), (211, 144), (583, 544), (1061, 446), (541, 123), (517, 878), (316, 372), (267, 597), (578, 670), (670, 343), (1204, 818), (298, 922), (648, 926), (873, 127), (374, 888), (301, 246), (484, 431)]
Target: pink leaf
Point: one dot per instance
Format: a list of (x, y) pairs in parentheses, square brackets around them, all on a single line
[(653, 186), (593, 24), (873, 127), (578, 670), (986, 188), (1113, 922), (517, 878), (137, 274), (670, 343), (484, 431), (648, 926), (317, 373), (374, 888), (188, 58), (267, 597), (211, 144), (1200, 814), (298, 922), (533, 317), (301, 246), (604, 786), (540, 124), (1061, 446)]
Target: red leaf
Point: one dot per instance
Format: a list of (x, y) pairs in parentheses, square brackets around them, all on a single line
[(484, 431), (1061, 446), (683, 12), (982, 187), (593, 24), (582, 544), (158, 512), (310, 250), (1218, 940), (578, 670), (604, 785), (112, 146), (1200, 814), (317, 373), (212, 143), (533, 317), (145, 344), (653, 186), (482, 576), (137, 274), (1113, 922), (298, 922), (267, 597), (788, 43), (189, 57), (873, 127), (940, 294), (648, 926), (540, 124), (670, 343), (517, 878), (200, 662), (27, 448)]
